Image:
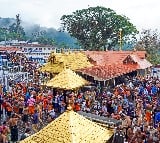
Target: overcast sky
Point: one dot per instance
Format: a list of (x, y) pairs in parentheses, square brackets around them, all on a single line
[(145, 14)]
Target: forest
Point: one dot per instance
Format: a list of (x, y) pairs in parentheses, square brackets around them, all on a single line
[(34, 32)]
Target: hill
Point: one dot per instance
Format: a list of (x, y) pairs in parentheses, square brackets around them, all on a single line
[(33, 31)]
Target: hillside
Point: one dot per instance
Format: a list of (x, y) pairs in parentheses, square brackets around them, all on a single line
[(60, 38)]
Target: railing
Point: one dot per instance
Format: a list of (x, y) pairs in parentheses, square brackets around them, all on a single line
[(15, 76), (100, 119)]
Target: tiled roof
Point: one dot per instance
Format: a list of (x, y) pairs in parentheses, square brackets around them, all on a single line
[(105, 72), (110, 64), (12, 49), (142, 63), (110, 57)]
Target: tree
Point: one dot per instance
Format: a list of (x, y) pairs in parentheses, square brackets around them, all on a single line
[(16, 30), (46, 41), (2, 34), (97, 27), (150, 41)]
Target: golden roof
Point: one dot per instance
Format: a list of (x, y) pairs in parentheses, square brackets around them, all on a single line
[(52, 68), (74, 61), (67, 79), (70, 127)]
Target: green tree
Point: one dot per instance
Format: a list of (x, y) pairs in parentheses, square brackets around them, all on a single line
[(46, 41), (150, 41), (2, 34), (16, 30), (97, 27), (63, 45)]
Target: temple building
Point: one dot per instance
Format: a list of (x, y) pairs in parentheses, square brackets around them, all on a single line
[(70, 127)]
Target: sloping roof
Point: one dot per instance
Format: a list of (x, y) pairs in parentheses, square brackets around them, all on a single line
[(142, 63), (106, 72), (109, 57), (73, 60), (70, 127), (101, 119), (67, 79), (110, 64), (9, 49), (53, 68)]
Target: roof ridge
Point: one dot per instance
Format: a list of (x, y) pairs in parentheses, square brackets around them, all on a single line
[(71, 128)]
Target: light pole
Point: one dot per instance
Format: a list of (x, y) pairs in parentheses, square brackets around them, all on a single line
[(120, 39)]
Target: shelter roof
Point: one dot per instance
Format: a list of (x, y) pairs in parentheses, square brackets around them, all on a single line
[(67, 79), (9, 49), (106, 72), (110, 57), (70, 127), (101, 119), (142, 63), (110, 64)]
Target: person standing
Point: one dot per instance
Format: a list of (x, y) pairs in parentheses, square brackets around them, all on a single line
[(119, 136), (31, 102), (25, 117), (35, 121), (2, 137), (13, 127), (1, 101), (9, 109), (6, 132)]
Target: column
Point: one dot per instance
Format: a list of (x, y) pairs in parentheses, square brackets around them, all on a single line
[(104, 83), (114, 82)]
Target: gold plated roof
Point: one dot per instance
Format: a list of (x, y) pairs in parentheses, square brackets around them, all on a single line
[(52, 68), (67, 79), (70, 127), (74, 61)]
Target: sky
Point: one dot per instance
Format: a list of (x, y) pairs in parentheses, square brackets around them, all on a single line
[(144, 14)]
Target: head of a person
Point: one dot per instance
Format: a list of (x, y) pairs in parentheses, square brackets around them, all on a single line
[(13, 115), (35, 111), (28, 130), (4, 123)]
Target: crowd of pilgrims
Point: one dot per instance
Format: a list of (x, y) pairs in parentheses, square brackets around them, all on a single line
[(135, 103)]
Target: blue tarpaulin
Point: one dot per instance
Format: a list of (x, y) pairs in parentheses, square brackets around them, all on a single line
[(157, 117)]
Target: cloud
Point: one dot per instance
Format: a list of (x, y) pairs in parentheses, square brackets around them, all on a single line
[(142, 13)]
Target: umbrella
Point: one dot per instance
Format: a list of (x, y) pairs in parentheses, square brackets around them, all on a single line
[(67, 79)]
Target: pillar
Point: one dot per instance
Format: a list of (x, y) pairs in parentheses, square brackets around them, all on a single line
[(114, 82), (104, 82)]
